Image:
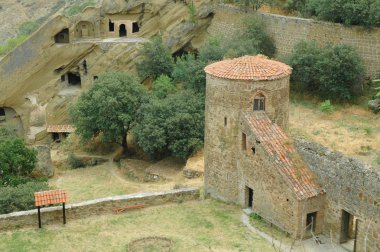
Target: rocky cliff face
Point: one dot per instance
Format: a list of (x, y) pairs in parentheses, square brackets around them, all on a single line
[(40, 77)]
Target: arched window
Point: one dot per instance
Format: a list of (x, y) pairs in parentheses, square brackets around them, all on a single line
[(259, 103)]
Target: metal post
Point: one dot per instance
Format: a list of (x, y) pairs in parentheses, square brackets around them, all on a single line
[(64, 214), (39, 217)]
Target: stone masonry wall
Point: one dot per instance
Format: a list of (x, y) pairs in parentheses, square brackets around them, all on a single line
[(52, 215), (288, 31), (351, 186), (225, 100)]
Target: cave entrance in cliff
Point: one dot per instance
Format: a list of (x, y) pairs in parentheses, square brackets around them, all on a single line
[(2, 114), (122, 31), (62, 37), (349, 229), (73, 79), (135, 27)]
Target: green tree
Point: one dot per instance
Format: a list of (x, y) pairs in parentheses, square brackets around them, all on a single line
[(189, 71), (157, 60), (109, 108), (174, 125), (16, 160), (213, 50), (252, 39), (330, 72), (163, 86)]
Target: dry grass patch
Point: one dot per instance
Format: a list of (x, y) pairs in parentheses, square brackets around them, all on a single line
[(206, 225), (351, 130)]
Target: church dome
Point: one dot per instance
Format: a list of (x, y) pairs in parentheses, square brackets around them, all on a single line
[(255, 68)]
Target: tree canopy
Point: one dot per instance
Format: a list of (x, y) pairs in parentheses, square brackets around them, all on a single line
[(109, 108), (174, 125), (330, 72), (16, 160), (157, 60)]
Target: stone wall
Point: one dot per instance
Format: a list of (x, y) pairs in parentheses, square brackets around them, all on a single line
[(53, 215), (351, 186), (225, 100), (288, 31)]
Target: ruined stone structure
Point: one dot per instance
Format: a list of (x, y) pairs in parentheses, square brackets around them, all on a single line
[(250, 161), (248, 158)]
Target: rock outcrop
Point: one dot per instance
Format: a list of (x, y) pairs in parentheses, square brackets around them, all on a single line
[(36, 75)]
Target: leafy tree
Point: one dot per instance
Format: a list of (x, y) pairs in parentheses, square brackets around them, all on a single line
[(350, 12), (189, 70), (157, 60), (213, 50), (163, 86), (254, 4), (109, 108), (174, 125), (16, 160), (329, 71), (251, 39)]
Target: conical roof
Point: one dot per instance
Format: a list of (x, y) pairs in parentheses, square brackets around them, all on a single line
[(249, 68)]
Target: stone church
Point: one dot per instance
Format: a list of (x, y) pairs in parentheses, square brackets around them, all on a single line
[(300, 187), (249, 160)]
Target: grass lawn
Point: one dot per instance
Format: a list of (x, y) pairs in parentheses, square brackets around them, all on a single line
[(351, 130), (206, 225)]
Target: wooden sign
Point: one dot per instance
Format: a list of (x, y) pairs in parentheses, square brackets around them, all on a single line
[(47, 198)]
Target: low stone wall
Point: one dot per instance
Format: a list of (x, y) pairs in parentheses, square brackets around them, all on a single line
[(350, 185), (53, 215)]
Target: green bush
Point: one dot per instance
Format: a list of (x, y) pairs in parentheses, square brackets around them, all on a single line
[(171, 126), (20, 198), (157, 60), (74, 161), (378, 160), (16, 160), (11, 44), (28, 27), (252, 39), (189, 71), (163, 86), (327, 107), (330, 72), (212, 51)]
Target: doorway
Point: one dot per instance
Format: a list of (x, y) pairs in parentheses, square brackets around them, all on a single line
[(349, 227), (311, 221), (249, 197), (122, 31)]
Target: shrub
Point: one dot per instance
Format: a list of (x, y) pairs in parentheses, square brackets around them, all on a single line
[(20, 198), (28, 27), (212, 50), (157, 60), (330, 72), (349, 12), (251, 39), (189, 71), (16, 160), (174, 125), (163, 86), (378, 160), (327, 107), (74, 161), (11, 44)]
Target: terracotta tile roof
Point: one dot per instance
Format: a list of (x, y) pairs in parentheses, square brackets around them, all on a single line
[(249, 68), (278, 146), (46, 198), (60, 128)]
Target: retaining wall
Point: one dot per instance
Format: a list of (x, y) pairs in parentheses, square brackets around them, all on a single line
[(351, 186), (53, 215), (288, 31)]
